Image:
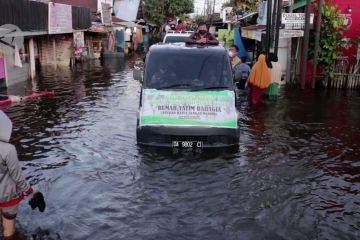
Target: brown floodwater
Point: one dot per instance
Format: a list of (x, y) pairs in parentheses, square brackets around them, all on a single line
[(295, 175)]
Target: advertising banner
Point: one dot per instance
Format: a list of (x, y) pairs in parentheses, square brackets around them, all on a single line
[(60, 18), (182, 108), (100, 3), (262, 10), (126, 9), (106, 17), (79, 43)]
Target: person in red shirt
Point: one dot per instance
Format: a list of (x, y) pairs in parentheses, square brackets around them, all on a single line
[(181, 27)]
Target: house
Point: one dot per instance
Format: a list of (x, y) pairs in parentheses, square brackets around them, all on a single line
[(38, 41)]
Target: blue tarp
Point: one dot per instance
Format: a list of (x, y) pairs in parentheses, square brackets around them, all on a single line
[(238, 41)]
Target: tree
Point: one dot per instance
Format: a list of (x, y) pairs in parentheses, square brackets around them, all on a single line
[(156, 10), (331, 38)]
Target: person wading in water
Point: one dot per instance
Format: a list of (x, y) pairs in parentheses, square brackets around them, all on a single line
[(13, 186), (259, 79)]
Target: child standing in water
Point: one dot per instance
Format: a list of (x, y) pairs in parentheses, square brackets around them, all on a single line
[(13, 186)]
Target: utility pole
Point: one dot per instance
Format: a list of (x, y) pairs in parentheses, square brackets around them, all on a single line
[(317, 43), (273, 22), (278, 25), (306, 44), (268, 28)]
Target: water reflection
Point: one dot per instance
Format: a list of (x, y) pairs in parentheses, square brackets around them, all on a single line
[(295, 175)]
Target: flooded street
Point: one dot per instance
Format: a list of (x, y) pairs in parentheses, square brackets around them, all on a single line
[(296, 174)]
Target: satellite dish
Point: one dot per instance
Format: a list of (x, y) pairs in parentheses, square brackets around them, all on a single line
[(10, 36)]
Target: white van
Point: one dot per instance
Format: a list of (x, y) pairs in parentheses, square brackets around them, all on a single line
[(187, 98)]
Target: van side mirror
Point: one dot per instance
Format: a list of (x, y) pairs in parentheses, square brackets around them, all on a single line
[(138, 75)]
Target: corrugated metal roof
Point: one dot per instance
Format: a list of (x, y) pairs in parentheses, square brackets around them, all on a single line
[(92, 4)]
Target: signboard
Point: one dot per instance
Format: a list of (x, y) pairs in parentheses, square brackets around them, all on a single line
[(2, 66), (262, 10), (295, 20), (181, 108), (228, 14), (284, 33), (126, 9), (79, 43), (252, 34), (60, 18), (106, 17), (100, 2)]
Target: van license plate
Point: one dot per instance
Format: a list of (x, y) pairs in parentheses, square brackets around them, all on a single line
[(187, 144)]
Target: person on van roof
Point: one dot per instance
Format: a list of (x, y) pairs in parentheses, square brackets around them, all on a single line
[(13, 186), (202, 36), (181, 26), (194, 26)]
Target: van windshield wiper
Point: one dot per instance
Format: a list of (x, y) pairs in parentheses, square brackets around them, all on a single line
[(174, 86), (211, 88)]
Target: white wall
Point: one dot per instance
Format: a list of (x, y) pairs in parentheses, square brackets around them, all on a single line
[(282, 53), (126, 9)]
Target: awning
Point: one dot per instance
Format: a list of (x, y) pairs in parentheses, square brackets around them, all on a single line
[(300, 4), (253, 32), (9, 34), (130, 24)]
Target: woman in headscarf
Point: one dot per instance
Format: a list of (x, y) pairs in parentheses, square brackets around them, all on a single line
[(271, 92), (259, 80)]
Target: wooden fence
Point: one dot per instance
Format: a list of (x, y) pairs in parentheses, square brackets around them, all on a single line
[(343, 80)]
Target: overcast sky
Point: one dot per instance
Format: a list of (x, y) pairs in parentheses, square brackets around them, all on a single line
[(199, 5)]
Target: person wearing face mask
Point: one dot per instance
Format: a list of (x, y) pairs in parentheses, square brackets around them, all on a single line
[(241, 73), (202, 36), (235, 60)]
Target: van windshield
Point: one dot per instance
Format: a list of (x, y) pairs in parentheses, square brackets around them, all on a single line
[(188, 71)]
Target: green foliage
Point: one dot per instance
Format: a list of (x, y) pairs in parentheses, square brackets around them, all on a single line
[(156, 10), (249, 5), (229, 3), (331, 38)]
